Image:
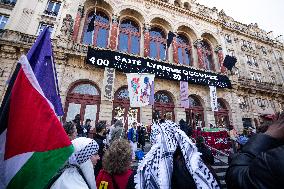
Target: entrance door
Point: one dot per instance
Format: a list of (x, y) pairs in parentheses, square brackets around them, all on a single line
[(122, 109), (222, 115), (195, 112), (84, 99), (164, 106)]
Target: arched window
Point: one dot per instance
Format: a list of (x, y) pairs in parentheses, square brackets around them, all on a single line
[(122, 109), (183, 48), (129, 37), (164, 105), (84, 99), (222, 115), (195, 112), (207, 56), (157, 43), (99, 36)]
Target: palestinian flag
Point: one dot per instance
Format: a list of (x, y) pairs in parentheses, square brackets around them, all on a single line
[(33, 142)]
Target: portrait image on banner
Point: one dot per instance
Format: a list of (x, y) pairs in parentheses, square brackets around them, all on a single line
[(213, 98), (140, 87), (184, 100)]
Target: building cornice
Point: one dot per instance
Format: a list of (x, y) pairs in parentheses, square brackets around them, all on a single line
[(204, 13)]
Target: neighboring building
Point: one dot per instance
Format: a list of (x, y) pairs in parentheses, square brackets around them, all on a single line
[(140, 27)]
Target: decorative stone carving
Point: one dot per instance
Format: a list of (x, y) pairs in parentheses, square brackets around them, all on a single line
[(67, 27)]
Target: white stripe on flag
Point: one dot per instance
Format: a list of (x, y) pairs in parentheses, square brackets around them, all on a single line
[(14, 164)]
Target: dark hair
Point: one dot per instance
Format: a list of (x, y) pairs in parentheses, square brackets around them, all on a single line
[(100, 126), (87, 120), (69, 128)]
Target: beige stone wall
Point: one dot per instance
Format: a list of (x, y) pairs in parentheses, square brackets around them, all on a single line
[(198, 22)]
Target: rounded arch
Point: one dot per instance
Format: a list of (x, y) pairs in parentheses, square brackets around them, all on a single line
[(222, 118), (132, 13), (211, 38), (84, 98), (122, 109), (106, 4), (122, 93), (159, 20), (190, 31), (164, 105)]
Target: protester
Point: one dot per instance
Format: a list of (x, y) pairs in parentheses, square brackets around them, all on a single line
[(141, 136), (79, 127), (207, 155), (132, 137), (156, 169), (184, 126), (100, 138), (78, 172), (70, 130), (116, 173), (117, 131), (87, 127), (260, 163), (109, 132)]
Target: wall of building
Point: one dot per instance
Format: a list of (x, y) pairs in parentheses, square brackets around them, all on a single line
[(247, 99)]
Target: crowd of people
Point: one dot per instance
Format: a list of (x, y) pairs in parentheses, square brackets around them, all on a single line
[(175, 160)]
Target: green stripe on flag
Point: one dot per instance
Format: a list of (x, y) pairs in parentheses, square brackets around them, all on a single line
[(40, 168)]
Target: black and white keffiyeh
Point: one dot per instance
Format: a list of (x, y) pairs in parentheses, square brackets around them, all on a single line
[(155, 170), (85, 148)]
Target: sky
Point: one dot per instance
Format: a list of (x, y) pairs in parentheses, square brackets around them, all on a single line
[(268, 14)]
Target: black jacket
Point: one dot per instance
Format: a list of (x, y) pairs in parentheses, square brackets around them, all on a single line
[(100, 140), (260, 164)]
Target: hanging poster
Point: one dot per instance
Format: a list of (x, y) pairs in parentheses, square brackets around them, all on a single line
[(134, 64), (108, 82), (213, 98), (184, 101), (140, 87)]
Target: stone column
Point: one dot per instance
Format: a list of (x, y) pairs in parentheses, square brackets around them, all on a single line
[(106, 108), (78, 19), (220, 55), (113, 33), (147, 40), (198, 46), (179, 114), (146, 115), (175, 50)]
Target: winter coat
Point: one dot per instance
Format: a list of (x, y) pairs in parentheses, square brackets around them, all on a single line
[(123, 181), (117, 133), (132, 135), (141, 136), (260, 164)]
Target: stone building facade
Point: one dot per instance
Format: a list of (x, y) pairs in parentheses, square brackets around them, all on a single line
[(140, 27)]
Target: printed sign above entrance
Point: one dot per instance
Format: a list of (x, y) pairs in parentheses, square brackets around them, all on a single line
[(133, 64)]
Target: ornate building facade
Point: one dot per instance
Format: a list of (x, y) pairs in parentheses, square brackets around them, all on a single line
[(203, 37)]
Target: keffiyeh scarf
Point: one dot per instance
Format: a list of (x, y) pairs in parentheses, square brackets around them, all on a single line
[(155, 170), (85, 148)]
